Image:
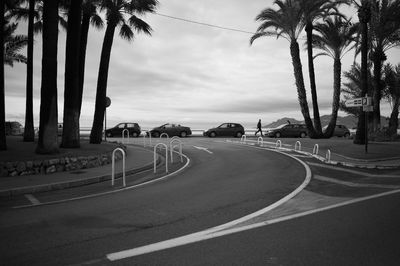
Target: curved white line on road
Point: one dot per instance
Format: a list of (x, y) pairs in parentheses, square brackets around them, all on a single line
[(214, 231), (112, 191)]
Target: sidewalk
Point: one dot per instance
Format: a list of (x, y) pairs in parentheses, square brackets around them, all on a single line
[(137, 159), (380, 155)]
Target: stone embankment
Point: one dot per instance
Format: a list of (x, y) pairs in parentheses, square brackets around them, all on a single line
[(60, 164)]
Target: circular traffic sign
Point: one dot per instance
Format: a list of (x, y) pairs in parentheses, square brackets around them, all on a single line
[(108, 102)]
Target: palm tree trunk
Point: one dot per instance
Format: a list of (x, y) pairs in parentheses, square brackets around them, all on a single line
[(301, 91), (394, 117), (377, 60), (313, 86), (29, 131), (82, 55), (337, 69), (364, 16), (3, 142), (101, 92), (47, 143), (70, 136)]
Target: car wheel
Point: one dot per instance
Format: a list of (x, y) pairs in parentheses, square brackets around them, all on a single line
[(238, 134), (183, 134), (156, 134), (213, 134), (135, 134), (277, 134), (346, 135), (303, 135), (109, 134)]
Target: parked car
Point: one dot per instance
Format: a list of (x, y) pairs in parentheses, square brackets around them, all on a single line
[(225, 130), (133, 129), (288, 130), (14, 128), (171, 130), (340, 131)]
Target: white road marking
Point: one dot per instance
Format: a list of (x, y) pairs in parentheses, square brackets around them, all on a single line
[(32, 199), (203, 149), (214, 231), (351, 171), (196, 237), (352, 184)]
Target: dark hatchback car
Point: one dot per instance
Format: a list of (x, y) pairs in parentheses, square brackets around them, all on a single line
[(225, 130), (340, 131), (288, 130), (133, 129), (171, 130)]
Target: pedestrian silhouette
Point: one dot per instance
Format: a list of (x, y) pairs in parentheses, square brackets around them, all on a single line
[(259, 128)]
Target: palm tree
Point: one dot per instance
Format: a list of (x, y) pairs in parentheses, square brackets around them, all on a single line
[(392, 83), (312, 11), (352, 88), (3, 142), (89, 16), (70, 135), (335, 37), (385, 34), (13, 44), (287, 22), (364, 17), (115, 11), (47, 142)]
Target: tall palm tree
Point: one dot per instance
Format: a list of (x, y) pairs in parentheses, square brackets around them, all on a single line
[(115, 11), (314, 10), (385, 34), (392, 83), (287, 22), (47, 142), (364, 17), (70, 135), (89, 16), (334, 39), (13, 45)]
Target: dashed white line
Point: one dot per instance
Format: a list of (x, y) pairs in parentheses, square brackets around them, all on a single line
[(203, 149), (32, 199)]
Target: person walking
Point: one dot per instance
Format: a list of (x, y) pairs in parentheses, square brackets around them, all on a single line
[(259, 129)]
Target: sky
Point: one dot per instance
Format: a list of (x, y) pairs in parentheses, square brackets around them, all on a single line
[(190, 74)]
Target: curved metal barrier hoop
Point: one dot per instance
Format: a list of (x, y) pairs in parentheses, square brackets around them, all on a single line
[(278, 142), (123, 135), (243, 139), (113, 166), (171, 148), (144, 138), (328, 156), (155, 156), (260, 140), (297, 144), (315, 149)]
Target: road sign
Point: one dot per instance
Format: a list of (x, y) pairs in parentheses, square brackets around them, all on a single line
[(356, 102), (108, 102)]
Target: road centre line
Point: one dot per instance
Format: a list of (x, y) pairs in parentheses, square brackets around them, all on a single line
[(32, 199), (203, 149), (214, 231)]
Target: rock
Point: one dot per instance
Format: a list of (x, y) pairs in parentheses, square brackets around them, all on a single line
[(21, 167)]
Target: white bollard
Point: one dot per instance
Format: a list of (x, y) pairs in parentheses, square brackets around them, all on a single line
[(113, 166)]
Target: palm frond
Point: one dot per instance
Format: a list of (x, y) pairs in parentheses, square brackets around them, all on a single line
[(126, 33), (139, 25)]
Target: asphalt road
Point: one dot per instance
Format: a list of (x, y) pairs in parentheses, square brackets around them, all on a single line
[(222, 183)]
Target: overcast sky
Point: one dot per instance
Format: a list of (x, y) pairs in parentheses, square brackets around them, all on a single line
[(188, 73)]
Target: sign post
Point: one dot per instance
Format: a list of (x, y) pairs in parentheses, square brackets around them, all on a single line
[(108, 103), (366, 104)]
